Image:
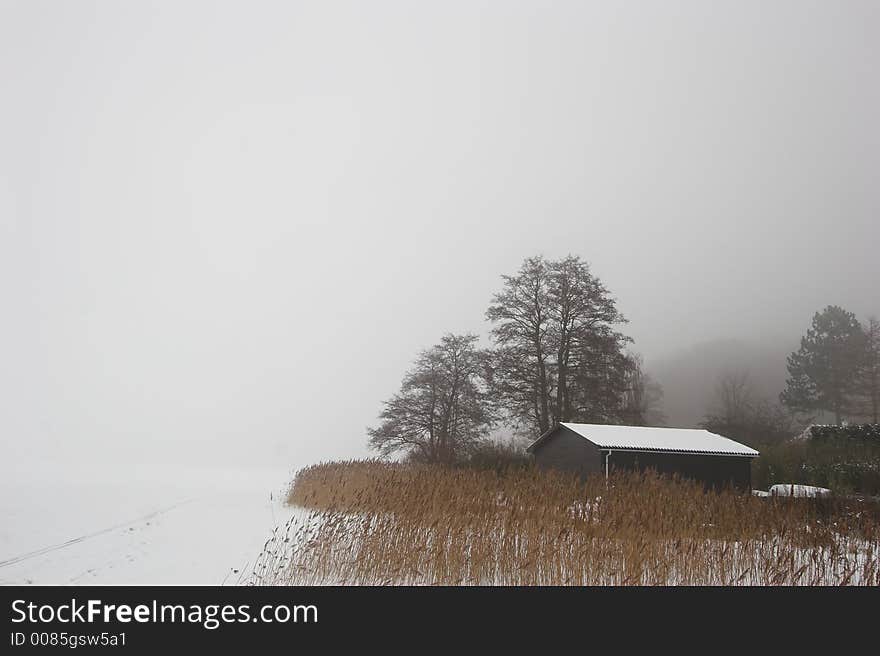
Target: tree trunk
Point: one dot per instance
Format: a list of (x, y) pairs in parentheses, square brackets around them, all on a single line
[(545, 405), (560, 389), (543, 420)]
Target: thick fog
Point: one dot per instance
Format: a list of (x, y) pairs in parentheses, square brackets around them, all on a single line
[(227, 228)]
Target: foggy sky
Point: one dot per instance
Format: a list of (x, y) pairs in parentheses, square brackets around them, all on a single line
[(227, 228)]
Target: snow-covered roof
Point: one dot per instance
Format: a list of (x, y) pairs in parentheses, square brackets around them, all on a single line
[(647, 438)]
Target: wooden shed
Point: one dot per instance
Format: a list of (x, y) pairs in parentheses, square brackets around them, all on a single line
[(594, 449)]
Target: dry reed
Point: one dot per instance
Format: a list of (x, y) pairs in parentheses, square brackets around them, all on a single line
[(372, 522)]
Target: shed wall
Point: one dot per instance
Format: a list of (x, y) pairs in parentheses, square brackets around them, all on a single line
[(566, 450), (713, 471)]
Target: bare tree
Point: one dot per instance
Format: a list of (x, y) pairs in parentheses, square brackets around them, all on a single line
[(520, 369), (441, 410), (738, 414), (734, 397), (557, 356), (643, 397), (581, 313)]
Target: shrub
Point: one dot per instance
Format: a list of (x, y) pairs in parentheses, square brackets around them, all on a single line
[(845, 459), (499, 456)]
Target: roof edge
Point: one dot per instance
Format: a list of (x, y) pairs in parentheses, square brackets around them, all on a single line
[(692, 452), (543, 438)]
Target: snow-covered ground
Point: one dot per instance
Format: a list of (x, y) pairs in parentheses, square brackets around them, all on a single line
[(140, 524)]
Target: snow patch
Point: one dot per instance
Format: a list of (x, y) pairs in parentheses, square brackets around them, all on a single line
[(790, 490)]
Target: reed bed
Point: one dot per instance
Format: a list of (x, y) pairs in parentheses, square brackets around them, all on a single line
[(373, 522)]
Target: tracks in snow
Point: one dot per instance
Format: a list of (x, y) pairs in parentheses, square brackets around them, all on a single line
[(69, 543)]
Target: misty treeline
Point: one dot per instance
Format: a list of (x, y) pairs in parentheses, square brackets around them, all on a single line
[(836, 370), (739, 413), (556, 354)]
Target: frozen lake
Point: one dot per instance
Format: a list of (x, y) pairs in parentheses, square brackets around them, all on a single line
[(150, 524)]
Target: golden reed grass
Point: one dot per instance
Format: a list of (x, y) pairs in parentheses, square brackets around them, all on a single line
[(373, 522)]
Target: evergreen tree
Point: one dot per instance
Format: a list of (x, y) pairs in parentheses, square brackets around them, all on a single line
[(823, 373), (869, 381)]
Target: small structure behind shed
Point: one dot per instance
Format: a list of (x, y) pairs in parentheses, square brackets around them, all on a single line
[(594, 449)]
